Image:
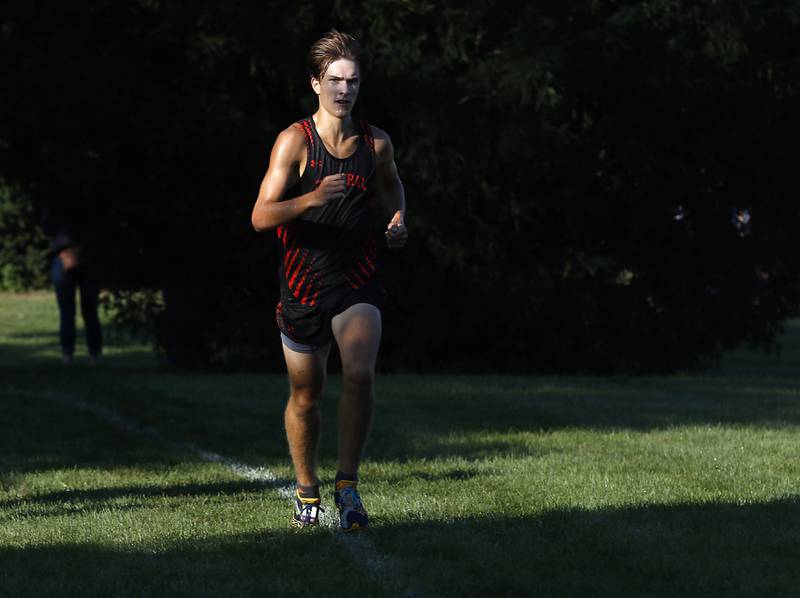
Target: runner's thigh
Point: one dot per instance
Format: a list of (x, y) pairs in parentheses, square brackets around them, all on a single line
[(307, 370), (357, 331)]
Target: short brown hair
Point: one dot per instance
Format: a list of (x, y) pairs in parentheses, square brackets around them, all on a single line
[(331, 47)]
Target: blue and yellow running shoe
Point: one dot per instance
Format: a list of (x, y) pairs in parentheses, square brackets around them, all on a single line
[(352, 514), (306, 511)]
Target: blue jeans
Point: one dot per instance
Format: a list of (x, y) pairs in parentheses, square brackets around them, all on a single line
[(66, 282)]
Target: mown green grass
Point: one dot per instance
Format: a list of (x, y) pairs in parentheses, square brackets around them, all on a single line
[(477, 485)]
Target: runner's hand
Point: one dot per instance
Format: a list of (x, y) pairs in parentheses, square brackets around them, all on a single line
[(331, 188), (396, 235)]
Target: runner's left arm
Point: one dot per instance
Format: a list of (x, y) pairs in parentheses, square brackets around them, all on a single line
[(390, 191)]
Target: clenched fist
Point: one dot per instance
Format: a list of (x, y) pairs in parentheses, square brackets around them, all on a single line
[(396, 234), (331, 188)]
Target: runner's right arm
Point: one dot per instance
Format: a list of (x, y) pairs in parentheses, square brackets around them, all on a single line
[(288, 155)]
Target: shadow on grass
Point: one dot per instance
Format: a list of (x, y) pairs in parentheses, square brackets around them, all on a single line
[(241, 415), (685, 549), (49, 338), (271, 563), (28, 361), (437, 408), (671, 550), (41, 436), (46, 338), (415, 417), (75, 502), (23, 355)]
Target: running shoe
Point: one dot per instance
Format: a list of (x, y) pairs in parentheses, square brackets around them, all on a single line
[(306, 511), (352, 514)]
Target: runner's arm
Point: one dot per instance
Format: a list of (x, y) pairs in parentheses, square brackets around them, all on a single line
[(270, 209), (390, 191)]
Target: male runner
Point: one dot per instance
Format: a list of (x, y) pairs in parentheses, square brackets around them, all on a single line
[(323, 172)]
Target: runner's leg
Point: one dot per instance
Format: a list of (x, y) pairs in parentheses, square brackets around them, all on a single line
[(357, 331), (302, 415)]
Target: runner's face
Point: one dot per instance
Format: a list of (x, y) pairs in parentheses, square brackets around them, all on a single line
[(338, 89)]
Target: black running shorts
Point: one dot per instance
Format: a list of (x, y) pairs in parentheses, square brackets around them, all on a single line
[(311, 325)]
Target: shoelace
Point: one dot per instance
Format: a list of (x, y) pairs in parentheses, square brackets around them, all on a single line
[(308, 511), (350, 498)]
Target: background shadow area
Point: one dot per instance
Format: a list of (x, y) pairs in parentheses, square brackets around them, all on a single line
[(708, 549), (683, 549)]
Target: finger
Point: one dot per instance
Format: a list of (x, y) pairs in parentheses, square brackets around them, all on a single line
[(397, 232)]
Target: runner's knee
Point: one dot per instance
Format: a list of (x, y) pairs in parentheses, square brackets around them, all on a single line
[(359, 376), (304, 400)]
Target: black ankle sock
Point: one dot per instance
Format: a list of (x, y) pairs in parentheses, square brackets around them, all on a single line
[(351, 477), (308, 491)]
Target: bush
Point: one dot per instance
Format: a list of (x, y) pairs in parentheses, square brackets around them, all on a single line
[(24, 263)]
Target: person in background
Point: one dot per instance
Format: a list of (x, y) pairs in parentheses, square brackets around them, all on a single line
[(70, 272)]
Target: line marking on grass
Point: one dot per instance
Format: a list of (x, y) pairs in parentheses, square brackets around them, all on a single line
[(382, 567)]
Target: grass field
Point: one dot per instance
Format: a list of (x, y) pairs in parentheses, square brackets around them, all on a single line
[(121, 480)]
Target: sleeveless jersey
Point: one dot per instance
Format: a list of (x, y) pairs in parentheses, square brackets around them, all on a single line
[(330, 248)]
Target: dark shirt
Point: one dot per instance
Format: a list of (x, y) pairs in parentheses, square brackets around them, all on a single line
[(60, 229), (330, 248)]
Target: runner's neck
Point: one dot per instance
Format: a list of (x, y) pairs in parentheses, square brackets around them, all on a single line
[(335, 131)]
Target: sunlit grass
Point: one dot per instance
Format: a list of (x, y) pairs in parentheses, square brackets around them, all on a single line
[(532, 485)]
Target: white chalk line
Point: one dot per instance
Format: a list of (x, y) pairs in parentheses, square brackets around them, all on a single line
[(382, 567)]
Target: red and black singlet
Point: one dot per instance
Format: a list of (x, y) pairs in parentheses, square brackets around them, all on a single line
[(329, 249)]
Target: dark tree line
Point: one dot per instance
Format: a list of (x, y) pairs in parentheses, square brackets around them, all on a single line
[(597, 186)]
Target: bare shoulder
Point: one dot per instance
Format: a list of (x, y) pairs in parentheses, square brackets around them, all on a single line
[(378, 133), (384, 149), (290, 142)]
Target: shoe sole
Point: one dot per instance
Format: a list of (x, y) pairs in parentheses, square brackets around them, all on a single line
[(300, 524), (354, 528)]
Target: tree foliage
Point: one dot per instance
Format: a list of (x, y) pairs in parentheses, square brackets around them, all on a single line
[(571, 168), (23, 247)]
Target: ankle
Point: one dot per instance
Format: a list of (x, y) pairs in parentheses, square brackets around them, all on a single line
[(344, 479), (308, 492)]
